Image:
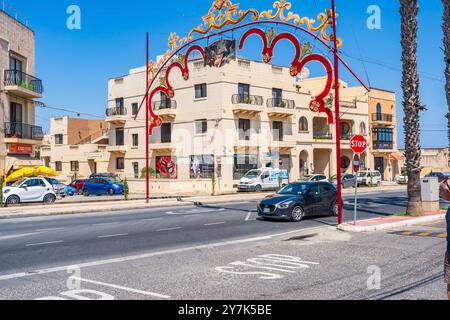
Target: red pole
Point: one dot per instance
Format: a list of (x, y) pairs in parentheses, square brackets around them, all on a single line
[(147, 133), (338, 115)]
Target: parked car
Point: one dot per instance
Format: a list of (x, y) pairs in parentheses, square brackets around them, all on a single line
[(101, 186), (402, 179), (263, 179), (318, 178), (70, 191), (300, 199), (440, 175), (29, 190), (60, 188), (367, 178), (78, 185), (348, 181), (110, 176)]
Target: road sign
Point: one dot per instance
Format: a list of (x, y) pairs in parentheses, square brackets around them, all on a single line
[(358, 144), (356, 163)]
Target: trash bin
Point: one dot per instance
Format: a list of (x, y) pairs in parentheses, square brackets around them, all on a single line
[(430, 194)]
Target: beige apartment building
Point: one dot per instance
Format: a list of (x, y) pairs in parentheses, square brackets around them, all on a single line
[(224, 122), (19, 88), (76, 148)]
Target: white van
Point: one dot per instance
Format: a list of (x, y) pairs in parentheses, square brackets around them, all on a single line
[(366, 178), (263, 179)]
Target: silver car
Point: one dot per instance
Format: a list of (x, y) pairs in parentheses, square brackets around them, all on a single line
[(60, 189)]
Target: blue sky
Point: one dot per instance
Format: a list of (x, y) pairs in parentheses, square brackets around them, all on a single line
[(76, 64)]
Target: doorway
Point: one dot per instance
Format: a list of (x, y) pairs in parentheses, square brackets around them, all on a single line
[(379, 165)]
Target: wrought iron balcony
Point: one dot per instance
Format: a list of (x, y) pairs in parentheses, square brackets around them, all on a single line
[(280, 103), (383, 145), (382, 117), (247, 99), (116, 112), (164, 104), (18, 130), (323, 136), (23, 81)]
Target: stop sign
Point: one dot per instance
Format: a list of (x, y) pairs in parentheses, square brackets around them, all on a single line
[(356, 163), (358, 144)]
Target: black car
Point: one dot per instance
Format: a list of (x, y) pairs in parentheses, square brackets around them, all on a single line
[(297, 200)]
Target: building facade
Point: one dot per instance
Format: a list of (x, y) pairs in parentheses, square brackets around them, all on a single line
[(19, 136), (223, 122)]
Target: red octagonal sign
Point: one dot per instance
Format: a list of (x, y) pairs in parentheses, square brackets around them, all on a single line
[(358, 144)]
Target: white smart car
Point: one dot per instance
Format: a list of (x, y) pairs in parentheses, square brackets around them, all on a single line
[(29, 190)]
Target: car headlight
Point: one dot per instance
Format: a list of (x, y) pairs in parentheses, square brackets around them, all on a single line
[(251, 181), (7, 191), (285, 205)]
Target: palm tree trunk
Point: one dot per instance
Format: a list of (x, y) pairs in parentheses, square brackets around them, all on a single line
[(446, 29), (411, 103)]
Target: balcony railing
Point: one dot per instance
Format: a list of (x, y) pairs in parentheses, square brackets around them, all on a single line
[(164, 104), (381, 117), (323, 136), (117, 111), (346, 136), (21, 79), (19, 130), (247, 99), (280, 103), (383, 145)]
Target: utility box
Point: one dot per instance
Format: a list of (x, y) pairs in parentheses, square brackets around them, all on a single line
[(430, 194)]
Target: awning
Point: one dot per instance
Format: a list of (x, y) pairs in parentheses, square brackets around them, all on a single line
[(396, 157), (18, 162)]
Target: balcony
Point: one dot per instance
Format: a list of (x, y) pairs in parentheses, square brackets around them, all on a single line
[(383, 145), (383, 118), (166, 109), (22, 84), (280, 108), (346, 136), (16, 132), (117, 115), (163, 147), (247, 105), (326, 136), (117, 149)]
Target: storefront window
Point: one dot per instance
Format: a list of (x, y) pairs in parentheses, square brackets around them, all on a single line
[(244, 163), (202, 167)]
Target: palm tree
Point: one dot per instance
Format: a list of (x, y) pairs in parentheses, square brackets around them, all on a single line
[(446, 28), (411, 103)]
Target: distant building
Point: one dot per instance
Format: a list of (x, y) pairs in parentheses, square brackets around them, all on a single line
[(434, 159)]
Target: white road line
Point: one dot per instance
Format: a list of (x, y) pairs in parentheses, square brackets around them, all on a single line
[(168, 229), (148, 255), (50, 229), (104, 224), (147, 293), (113, 236), (43, 243), (15, 236), (213, 224), (249, 217)]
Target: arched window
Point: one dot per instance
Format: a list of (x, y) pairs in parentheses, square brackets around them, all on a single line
[(362, 129), (379, 112), (303, 125)]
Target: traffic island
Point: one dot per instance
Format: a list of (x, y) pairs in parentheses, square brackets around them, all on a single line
[(391, 222)]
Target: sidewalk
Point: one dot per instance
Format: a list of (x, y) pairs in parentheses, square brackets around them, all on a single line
[(106, 204), (391, 222)]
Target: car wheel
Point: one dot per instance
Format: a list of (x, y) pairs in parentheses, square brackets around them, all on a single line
[(334, 209), (49, 198), (80, 192), (86, 192), (258, 188), (13, 200), (111, 192), (297, 214)]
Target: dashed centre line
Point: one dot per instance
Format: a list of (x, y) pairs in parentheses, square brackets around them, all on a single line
[(44, 243), (213, 224), (113, 236), (50, 229), (168, 229)]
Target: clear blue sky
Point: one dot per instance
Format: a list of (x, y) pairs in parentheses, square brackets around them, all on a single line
[(75, 65)]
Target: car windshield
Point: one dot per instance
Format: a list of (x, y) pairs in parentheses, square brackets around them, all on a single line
[(52, 181), (253, 174), (294, 189), (362, 174), (18, 183), (114, 180)]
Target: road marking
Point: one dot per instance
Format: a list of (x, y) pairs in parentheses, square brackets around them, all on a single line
[(168, 229), (44, 243), (113, 235), (149, 255), (193, 211), (104, 224), (50, 229), (19, 236), (249, 217), (213, 224), (147, 293)]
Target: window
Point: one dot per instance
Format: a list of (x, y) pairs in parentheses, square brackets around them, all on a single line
[(59, 139), (277, 95), (31, 183), (58, 166), (363, 129), (202, 167), (303, 125), (135, 138), (243, 163), (120, 103), (120, 163), (136, 170), (134, 108), (278, 131), (165, 101), (200, 91), (244, 129), (120, 137), (74, 166), (244, 91), (383, 134), (201, 126), (166, 133), (379, 112), (15, 115)]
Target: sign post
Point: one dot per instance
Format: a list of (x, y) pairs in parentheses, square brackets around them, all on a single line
[(358, 145)]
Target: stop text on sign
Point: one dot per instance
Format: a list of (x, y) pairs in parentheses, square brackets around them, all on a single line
[(358, 144)]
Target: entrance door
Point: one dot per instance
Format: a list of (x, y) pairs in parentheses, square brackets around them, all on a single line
[(379, 165)]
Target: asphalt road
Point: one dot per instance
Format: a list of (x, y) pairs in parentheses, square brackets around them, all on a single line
[(176, 253)]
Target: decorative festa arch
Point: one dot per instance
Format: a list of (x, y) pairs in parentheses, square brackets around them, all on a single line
[(223, 17)]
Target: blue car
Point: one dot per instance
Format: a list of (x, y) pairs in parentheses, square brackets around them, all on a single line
[(100, 186), (70, 191)]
